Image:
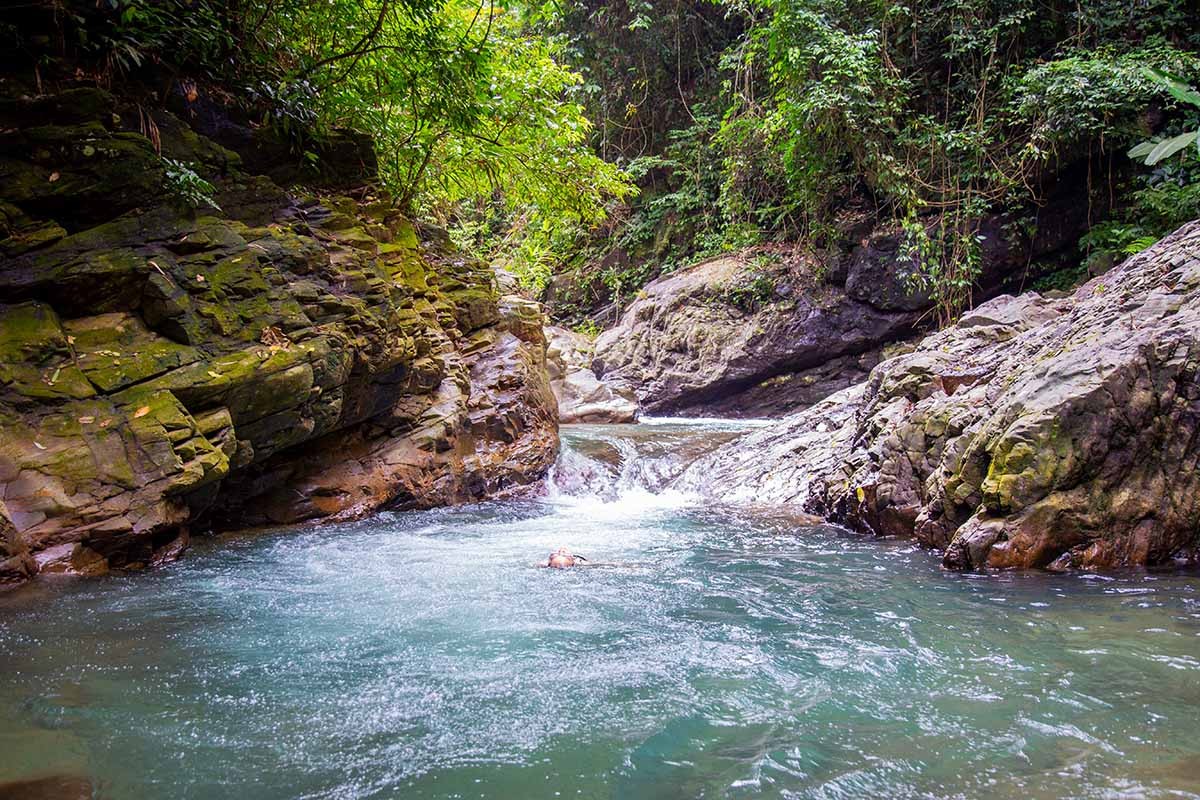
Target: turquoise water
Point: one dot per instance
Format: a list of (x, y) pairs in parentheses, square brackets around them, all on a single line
[(722, 655)]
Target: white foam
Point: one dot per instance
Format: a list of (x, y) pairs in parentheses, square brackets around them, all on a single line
[(631, 502), (724, 422)]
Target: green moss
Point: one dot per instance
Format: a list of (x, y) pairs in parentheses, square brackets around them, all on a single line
[(116, 351), (404, 234), (36, 360)]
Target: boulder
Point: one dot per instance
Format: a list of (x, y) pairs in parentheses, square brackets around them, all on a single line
[(734, 327), (581, 396), (767, 332), (1034, 433)]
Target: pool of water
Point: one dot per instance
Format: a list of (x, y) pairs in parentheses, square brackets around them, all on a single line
[(713, 653)]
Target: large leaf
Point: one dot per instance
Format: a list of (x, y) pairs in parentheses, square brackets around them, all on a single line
[(1169, 147), (1141, 150), (1178, 89)]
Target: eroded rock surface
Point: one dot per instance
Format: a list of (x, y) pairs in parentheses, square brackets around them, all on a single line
[(768, 332), (725, 328), (581, 396), (1035, 433), (274, 361)]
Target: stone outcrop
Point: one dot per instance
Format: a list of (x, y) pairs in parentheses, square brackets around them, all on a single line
[(768, 332), (581, 396), (1034, 433), (261, 359), (727, 336)]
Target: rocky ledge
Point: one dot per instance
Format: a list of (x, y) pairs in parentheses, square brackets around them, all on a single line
[(1034, 433), (279, 360), (729, 337)]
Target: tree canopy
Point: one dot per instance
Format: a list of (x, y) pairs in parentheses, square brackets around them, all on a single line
[(545, 133)]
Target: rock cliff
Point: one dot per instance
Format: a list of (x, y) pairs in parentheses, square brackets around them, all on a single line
[(263, 358), (1034, 433), (768, 332)]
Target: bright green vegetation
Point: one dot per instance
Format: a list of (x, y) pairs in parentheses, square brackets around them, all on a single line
[(785, 118), (552, 135), (472, 112), (187, 186)]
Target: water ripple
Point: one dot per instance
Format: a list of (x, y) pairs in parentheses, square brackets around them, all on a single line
[(719, 654)]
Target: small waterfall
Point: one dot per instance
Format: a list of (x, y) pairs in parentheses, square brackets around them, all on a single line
[(622, 466), (576, 475)]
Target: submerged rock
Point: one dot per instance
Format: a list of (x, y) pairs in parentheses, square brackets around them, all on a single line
[(582, 397), (162, 368), (1034, 433)]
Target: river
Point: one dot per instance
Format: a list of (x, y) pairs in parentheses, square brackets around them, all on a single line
[(713, 653)]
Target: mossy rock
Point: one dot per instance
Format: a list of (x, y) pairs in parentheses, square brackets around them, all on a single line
[(116, 351), (36, 360), (474, 307), (81, 175), (78, 279), (72, 106)]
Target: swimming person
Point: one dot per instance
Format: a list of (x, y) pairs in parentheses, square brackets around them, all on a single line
[(562, 558)]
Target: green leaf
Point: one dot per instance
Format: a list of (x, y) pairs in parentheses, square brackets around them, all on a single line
[(1141, 150), (1178, 89), (1170, 147)]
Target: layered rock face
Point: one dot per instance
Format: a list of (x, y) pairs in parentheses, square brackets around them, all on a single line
[(274, 361), (725, 337), (1035, 433), (582, 397)]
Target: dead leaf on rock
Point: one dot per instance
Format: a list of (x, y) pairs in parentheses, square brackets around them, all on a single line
[(87, 420), (54, 176), (141, 412), (199, 278), (274, 338), (105, 423), (39, 445)]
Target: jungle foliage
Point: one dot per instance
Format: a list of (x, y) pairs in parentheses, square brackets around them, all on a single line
[(471, 109), (549, 133), (928, 112)]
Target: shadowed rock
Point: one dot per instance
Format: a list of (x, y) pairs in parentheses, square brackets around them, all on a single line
[(720, 330), (61, 787)]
